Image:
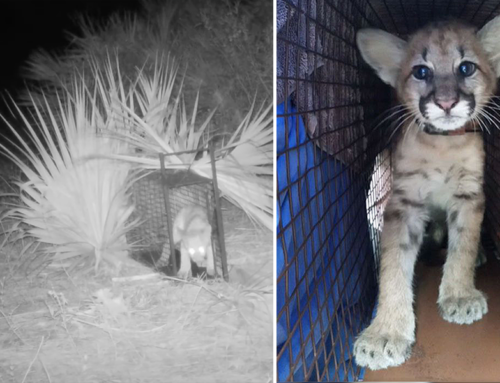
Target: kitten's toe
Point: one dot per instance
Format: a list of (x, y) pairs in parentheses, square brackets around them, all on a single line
[(378, 351), (464, 309), (184, 274)]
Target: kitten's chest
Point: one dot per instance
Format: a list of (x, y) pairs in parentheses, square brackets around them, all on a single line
[(435, 168)]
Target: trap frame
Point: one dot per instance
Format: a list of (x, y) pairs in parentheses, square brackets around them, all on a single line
[(334, 174), (158, 197)]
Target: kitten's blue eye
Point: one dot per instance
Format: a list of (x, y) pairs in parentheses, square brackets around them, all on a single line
[(467, 69), (421, 72)]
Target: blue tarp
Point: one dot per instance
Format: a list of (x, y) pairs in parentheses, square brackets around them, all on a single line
[(322, 231)]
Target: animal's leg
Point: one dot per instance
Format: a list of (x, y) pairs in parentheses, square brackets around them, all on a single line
[(388, 339), (185, 269), (459, 301)]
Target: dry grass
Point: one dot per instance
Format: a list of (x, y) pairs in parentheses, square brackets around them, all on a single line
[(154, 330)]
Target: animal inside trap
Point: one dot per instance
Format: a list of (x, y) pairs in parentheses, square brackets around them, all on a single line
[(159, 196)]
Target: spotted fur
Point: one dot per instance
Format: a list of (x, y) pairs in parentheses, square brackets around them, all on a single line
[(433, 174)]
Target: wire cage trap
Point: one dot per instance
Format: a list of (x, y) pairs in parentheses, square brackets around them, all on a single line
[(158, 196), (334, 174)]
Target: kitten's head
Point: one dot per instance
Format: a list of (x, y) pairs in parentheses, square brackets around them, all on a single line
[(446, 72)]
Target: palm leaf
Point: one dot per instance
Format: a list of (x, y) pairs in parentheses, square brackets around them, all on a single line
[(73, 198), (244, 164)]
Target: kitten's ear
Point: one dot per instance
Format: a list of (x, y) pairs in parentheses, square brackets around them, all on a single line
[(489, 36), (383, 52)]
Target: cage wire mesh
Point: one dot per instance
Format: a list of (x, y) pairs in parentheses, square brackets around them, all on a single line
[(334, 174)]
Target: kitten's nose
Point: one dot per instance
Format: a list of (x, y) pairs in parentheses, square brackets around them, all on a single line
[(446, 104)]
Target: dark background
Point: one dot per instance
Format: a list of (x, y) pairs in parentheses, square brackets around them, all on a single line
[(28, 25)]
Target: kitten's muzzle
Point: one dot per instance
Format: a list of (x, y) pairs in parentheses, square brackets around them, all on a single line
[(200, 260), (447, 104)]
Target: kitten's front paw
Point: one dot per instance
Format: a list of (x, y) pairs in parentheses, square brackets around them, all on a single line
[(381, 350), (184, 273), (463, 309)]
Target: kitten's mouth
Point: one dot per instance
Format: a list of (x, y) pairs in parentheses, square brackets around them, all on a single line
[(448, 123), (449, 119), (202, 262)]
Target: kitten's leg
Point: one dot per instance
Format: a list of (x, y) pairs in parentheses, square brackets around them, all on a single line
[(185, 269), (459, 301), (388, 339)]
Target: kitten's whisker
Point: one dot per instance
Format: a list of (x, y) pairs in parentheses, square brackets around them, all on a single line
[(492, 104), (411, 126), (490, 114), (400, 110), (400, 124), (482, 123), (493, 120), (480, 120), (396, 124)]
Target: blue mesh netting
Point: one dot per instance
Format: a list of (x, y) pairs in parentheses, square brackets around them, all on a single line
[(324, 258)]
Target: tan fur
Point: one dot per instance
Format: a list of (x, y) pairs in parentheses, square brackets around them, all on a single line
[(431, 173), (193, 232)]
